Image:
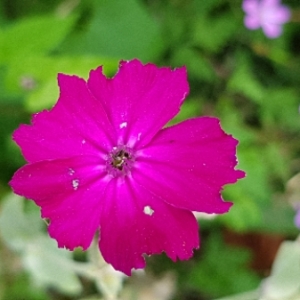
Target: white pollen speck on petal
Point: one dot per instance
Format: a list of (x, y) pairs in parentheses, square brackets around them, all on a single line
[(148, 210), (71, 171), (139, 136), (83, 141), (75, 184), (123, 125)]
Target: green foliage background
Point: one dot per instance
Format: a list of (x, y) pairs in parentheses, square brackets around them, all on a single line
[(250, 82)]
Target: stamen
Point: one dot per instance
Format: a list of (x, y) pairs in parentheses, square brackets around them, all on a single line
[(120, 161)]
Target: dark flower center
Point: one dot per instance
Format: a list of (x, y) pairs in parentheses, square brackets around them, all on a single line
[(120, 161)]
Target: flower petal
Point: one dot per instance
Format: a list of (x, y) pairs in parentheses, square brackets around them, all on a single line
[(69, 192), (140, 99), (297, 219), (267, 4), (135, 222), (272, 30), (252, 22), (278, 16), (70, 128), (188, 164), (250, 7)]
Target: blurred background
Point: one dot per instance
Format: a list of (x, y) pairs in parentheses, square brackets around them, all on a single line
[(250, 82)]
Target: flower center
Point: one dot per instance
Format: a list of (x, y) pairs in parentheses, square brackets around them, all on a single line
[(120, 161)]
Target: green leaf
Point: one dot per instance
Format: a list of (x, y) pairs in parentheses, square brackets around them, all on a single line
[(21, 287), (17, 229), (280, 107), (244, 82), (245, 214), (255, 207), (212, 34), (39, 35), (42, 73), (222, 270), (284, 281), (2, 13), (121, 29), (46, 263), (279, 218), (11, 115), (198, 66), (50, 266), (190, 108), (232, 122), (204, 7), (278, 160), (107, 280), (252, 194), (256, 184)]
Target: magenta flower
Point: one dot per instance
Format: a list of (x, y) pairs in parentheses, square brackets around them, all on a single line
[(267, 14), (100, 159)]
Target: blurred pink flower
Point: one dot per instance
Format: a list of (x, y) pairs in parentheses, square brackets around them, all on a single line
[(267, 14), (100, 160), (297, 217)]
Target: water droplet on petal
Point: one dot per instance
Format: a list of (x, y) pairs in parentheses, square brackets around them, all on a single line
[(75, 184), (148, 210), (83, 141)]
